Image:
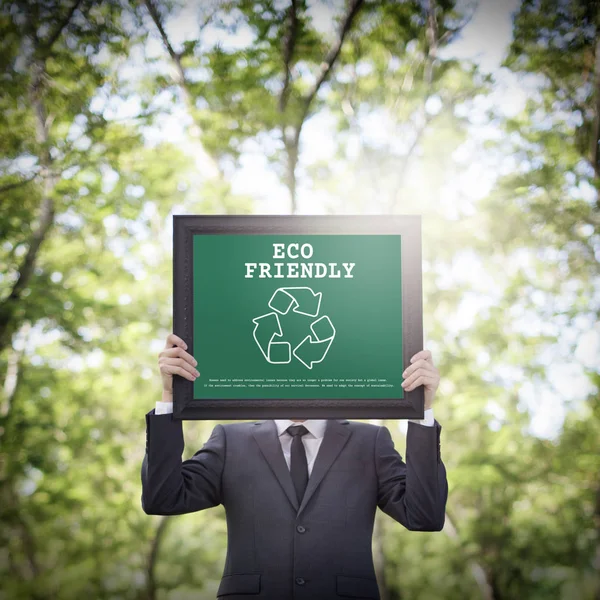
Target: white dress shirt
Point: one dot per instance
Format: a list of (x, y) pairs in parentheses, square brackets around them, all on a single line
[(311, 440)]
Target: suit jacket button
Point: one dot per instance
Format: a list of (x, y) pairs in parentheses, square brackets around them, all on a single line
[(300, 529), (300, 581)]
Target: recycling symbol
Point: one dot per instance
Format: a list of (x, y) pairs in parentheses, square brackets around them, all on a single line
[(269, 335)]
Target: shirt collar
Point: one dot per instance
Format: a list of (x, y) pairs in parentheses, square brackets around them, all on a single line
[(315, 426)]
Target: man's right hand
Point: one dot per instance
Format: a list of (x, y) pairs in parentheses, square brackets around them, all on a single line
[(174, 360)]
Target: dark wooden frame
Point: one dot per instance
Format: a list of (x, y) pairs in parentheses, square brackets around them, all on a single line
[(408, 226)]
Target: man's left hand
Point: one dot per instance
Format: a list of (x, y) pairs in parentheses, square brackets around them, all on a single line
[(422, 371)]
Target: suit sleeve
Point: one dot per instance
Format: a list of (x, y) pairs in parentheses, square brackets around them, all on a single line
[(413, 493), (173, 487)]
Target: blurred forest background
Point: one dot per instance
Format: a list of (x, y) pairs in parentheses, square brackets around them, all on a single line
[(114, 115)]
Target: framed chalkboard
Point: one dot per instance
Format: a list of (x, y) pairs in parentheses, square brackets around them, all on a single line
[(297, 317)]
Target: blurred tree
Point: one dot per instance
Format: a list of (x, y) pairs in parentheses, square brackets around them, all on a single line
[(548, 203), (394, 67), (518, 269), (82, 294), (509, 281), (525, 509), (558, 41), (268, 88)]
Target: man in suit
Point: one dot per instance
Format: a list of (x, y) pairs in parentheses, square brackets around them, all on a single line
[(300, 495)]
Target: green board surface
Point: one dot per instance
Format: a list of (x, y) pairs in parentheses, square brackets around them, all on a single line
[(297, 316)]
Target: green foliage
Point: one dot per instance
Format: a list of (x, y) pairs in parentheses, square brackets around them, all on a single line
[(509, 280)]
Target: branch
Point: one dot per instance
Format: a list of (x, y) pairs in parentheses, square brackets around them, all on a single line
[(477, 571), (26, 268), (28, 542), (153, 558), (16, 184), (431, 35), (209, 18), (175, 56), (47, 211), (56, 34), (163, 34), (292, 145), (182, 82), (12, 374), (47, 208), (450, 33), (289, 43), (595, 154), (411, 151), (332, 55), (596, 559)]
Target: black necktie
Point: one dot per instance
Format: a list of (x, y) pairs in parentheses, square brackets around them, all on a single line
[(298, 466)]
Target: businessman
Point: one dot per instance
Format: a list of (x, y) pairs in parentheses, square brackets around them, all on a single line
[(299, 495)]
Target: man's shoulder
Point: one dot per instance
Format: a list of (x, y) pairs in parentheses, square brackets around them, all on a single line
[(239, 427), (362, 426)]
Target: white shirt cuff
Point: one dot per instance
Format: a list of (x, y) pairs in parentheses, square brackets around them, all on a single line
[(427, 418), (163, 408)]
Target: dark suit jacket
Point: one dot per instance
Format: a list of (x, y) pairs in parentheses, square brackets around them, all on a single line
[(277, 550)]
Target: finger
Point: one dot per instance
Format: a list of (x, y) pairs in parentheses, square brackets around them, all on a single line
[(173, 369), (179, 362), (175, 340), (414, 375), (179, 352), (419, 364), (425, 354), (420, 379), (178, 370)]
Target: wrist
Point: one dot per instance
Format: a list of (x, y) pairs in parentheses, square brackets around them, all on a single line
[(167, 396)]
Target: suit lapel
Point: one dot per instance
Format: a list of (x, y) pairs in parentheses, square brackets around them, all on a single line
[(265, 433), (336, 435)]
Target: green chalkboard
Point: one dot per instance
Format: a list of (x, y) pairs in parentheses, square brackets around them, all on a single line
[(297, 316)]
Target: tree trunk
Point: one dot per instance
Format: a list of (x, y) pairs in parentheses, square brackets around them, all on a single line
[(477, 571), (153, 559), (8, 321), (290, 180), (209, 163), (292, 147)]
